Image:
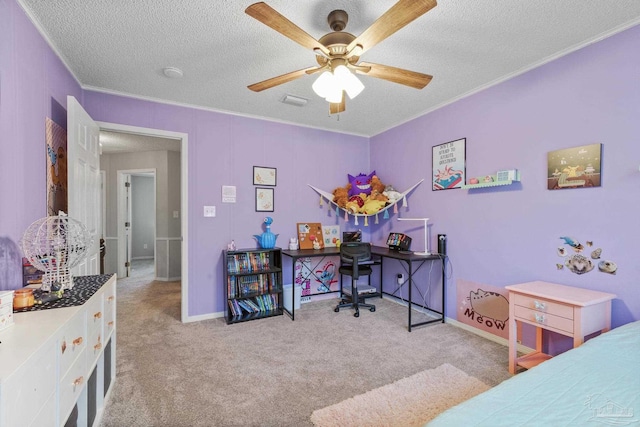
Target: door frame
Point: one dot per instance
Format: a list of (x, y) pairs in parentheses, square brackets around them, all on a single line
[(184, 198), (122, 206)]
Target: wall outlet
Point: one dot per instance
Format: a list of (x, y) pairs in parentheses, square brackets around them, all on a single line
[(400, 278)]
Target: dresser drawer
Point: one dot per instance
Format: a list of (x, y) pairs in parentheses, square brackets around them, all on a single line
[(549, 321), (30, 387), (95, 313), (109, 310), (47, 415), (71, 386), (543, 305), (94, 347), (73, 339)]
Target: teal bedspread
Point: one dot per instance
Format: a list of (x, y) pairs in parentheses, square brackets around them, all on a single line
[(595, 384)]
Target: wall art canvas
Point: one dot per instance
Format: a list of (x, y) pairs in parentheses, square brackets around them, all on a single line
[(330, 235), (449, 165), (264, 176), (264, 199), (577, 167), (56, 141)]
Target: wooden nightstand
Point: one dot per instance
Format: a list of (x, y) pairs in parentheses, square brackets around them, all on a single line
[(569, 311)]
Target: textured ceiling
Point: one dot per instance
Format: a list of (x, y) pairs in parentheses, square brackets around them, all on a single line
[(122, 46)]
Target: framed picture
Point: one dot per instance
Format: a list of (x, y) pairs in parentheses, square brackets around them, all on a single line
[(264, 199), (448, 168), (264, 176), (577, 167), (56, 139)]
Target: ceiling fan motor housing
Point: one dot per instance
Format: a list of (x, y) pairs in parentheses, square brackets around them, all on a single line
[(337, 20)]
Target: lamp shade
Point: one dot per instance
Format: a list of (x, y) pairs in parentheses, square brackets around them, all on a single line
[(348, 81), (323, 84), (331, 84)]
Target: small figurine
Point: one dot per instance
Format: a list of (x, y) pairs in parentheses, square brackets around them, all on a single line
[(338, 243), (316, 243), (232, 246), (267, 240), (488, 178), (293, 244)]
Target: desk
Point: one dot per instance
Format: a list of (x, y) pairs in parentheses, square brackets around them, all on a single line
[(380, 252)]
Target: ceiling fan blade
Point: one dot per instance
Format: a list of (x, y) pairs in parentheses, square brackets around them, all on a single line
[(338, 107), (275, 81), (396, 75), (400, 14), (270, 17)]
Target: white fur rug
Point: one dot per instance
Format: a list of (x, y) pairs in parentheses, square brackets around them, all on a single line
[(411, 401)]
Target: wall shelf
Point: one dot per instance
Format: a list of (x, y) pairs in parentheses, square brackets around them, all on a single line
[(496, 182)]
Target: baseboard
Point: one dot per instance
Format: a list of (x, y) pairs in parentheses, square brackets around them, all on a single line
[(140, 258), (201, 317), (168, 279), (486, 335)]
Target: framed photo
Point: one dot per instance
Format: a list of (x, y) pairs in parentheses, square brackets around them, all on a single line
[(448, 168), (264, 176), (577, 167), (264, 199)]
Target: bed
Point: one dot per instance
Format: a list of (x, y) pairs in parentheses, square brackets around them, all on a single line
[(595, 384)]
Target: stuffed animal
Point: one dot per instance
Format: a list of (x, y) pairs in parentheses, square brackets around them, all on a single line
[(376, 184), (360, 184), (375, 195), (392, 194), (372, 206), (341, 196)]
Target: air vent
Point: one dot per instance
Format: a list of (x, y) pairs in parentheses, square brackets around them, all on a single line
[(295, 100)]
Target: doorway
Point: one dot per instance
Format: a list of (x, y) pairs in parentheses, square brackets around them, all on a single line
[(136, 219), (170, 245)]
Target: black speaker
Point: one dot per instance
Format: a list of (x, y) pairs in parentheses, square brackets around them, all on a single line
[(442, 244)]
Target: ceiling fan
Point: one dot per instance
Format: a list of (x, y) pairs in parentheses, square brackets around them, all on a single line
[(338, 52)]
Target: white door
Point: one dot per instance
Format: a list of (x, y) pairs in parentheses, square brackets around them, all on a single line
[(127, 224), (83, 155)]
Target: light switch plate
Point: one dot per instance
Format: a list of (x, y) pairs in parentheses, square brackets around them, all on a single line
[(209, 211)]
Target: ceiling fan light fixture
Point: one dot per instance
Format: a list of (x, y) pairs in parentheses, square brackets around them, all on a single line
[(348, 81), (323, 84)]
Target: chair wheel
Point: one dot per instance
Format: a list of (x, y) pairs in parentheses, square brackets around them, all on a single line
[(356, 314), (372, 309), (337, 309)]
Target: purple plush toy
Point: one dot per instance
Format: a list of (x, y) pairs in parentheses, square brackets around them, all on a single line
[(360, 184)]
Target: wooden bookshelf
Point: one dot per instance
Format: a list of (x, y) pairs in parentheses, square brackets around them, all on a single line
[(253, 284)]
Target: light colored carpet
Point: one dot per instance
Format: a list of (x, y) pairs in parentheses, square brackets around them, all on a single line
[(271, 372), (408, 402)]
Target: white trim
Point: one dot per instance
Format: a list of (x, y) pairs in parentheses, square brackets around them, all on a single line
[(487, 335), (184, 198), (139, 258), (201, 317)]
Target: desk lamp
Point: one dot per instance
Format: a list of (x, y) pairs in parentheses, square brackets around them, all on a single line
[(426, 248)]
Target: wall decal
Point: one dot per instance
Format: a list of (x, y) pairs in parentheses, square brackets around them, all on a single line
[(484, 307)]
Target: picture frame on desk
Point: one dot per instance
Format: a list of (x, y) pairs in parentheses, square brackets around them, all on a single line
[(265, 176), (264, 199)]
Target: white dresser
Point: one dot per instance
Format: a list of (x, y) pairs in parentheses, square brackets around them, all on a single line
[(52, 360)]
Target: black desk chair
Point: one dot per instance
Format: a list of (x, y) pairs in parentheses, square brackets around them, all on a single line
[(355, 260)]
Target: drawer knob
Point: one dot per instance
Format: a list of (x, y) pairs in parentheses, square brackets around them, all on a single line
[(110, 323), (539, 317), (78, 381), (77, 341), (110, 298), (63, 346), (98, 315), (97, 346), (539, 305)]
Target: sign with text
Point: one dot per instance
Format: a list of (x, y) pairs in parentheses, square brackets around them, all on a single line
[(448, 165)]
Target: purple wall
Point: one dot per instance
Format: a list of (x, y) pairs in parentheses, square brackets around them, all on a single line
[(34, 84), (508, 235), (498, 236), (222, 150)]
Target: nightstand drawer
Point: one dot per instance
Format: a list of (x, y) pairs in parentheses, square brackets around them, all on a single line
[(547, 320), (543, 305)]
